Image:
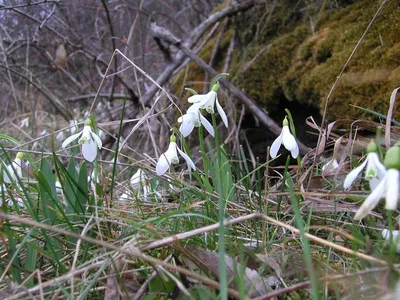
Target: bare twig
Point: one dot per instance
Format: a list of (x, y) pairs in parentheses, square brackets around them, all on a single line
[(241, 96)]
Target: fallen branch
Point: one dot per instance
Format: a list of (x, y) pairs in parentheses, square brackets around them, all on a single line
[(260, 113)]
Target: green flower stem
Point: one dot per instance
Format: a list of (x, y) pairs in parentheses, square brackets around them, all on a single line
[(221, 206), (304, 239)]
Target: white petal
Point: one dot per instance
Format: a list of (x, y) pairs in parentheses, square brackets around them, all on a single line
[(186, 128), (17, 167), (276, 145), (89, 150), (162, 165), (375, 164), (135, 179), (125, 197), (222, 114), (392, 189), (96, 139), (7, 179), (171, 154), (207, 125), (295, 151), (373, 183), (348, 181), (288, 140), (371, 201), (71, 139), (187, 158), (197, 98)]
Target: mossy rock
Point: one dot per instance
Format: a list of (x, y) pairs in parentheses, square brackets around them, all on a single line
[(302, 66), (290, 59)]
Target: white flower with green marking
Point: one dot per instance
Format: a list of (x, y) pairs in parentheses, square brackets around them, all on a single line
[(170, 157), (287, 139), (375, 170), (387, 188), (193, 118), (13, 171), (208, 101), (90, 141)]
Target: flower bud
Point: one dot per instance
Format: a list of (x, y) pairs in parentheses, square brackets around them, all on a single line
[(285, 122), (392, 158), (88, 122), (372, 147), (215, 87)]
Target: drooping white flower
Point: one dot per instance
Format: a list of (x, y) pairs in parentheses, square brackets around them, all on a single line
[(193, 118), (375, 170), (24, 122), (287, 139), (331, 165), (208, 101), (13, 171), (387, 188), (88, 139), (139, 183), (171, 157)]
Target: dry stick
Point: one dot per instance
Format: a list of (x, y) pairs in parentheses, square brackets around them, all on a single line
[(110, 26), (306, 284), (42, 89), (164, 34), (198, 32), (177, 237), (337, 82), (137, 254), (214, 53)]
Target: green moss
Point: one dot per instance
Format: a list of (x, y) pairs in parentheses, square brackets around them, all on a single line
[(284, 59), (303, 67)]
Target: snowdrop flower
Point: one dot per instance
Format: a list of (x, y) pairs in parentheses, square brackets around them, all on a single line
[(331, 165), (287, 139), (171, 157), (193, 118), (24, 122), (208, 101), (374, 172), (139, 182), (14, 170), (125, 196), (88, 139), (387, 188), (60, 136)]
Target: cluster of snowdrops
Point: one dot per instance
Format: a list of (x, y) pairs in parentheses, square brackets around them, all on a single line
[(383, 178)]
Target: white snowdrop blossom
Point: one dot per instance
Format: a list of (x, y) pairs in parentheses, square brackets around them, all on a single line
[(193, 118), (387, 188), (375, 170), (208, 101), (14, 171), (171, 157), (287, 139), (331, 165), (88, 139), (24, 122), (139, 183)]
